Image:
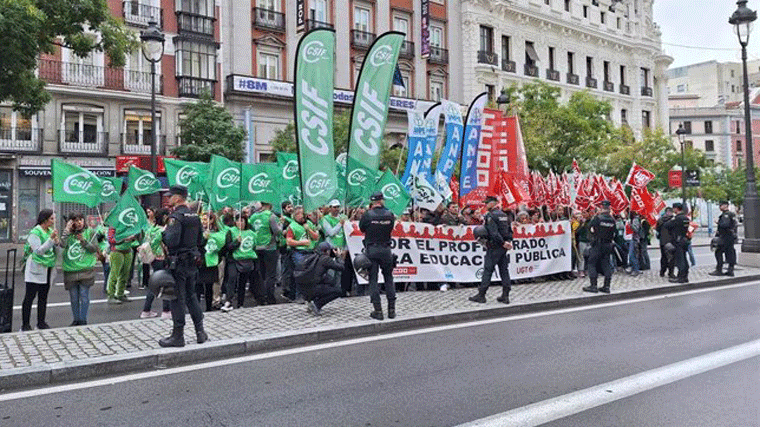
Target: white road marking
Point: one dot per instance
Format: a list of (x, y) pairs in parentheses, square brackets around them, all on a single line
[(67, 304), (97, 282), (338, 344), (572, 403)]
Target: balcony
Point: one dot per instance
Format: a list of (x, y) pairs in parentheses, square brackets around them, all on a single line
[(438, 55), (312, 24), (407, 50), (193, 23), (95, 76), (591, 82), (625, 90), (608, 86), (552, 75), (268, 20), (20, 139), (192, 87), (487, 57), (82, 142), (131, 144), (362, 39), (508, 66), (573, 79), (646, 91), (140, 14), (531, 70)]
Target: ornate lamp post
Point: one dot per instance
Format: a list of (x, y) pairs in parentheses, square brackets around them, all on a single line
[(503, 100), (680, 132), (153, 50), (742, 21)]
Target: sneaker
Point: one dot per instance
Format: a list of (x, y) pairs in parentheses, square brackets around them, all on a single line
[(148, 314), (478, 298), (114, 300), (444, 287), (124, 298), (227, 307), (126, 292), (312, 308), (166, 314)]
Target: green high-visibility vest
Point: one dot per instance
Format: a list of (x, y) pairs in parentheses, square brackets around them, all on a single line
[(260, 223), (76, 257), (48, 258), (214, 244), (339, 240), (247, 248), (299, 233)]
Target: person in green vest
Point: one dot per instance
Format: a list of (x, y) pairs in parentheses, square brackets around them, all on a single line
[(300, 238), (121, 263), (266, 225), (286, 254), (39, 269), (242, 248), (332, 227), (79, 257), (152, 246), (215, 241), (313, 225)]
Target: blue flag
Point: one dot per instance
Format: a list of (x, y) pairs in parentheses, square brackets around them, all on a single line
[(468, 179)]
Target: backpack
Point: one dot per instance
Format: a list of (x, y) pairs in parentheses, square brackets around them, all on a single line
[(305, 273)]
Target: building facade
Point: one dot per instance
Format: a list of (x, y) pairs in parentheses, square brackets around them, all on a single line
[(708, 129), (708, 84), (609, 47)]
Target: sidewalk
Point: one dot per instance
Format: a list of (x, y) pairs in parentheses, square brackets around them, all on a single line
[(85, 352)]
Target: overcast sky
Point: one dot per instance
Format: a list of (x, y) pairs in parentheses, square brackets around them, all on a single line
[(703, 26)]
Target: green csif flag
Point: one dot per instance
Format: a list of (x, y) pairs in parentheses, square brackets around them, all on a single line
[(72, 183), (192, 175), (142, 182), (313, 90), (224, 179), (360, 183), (111, 190), (260, 183), (371, 99), (127, 218), (288, 178), (396, 196)]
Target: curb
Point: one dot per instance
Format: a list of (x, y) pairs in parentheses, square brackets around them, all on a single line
[(100, 367)]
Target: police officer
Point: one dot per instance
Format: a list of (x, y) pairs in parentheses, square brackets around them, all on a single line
[(602, 229), (727, 225), (183, 238), (677, 227), (499, 241), (377, 224), (663, 235)]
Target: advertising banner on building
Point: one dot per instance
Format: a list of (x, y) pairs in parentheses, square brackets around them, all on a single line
[(425, 26), (428, 253)]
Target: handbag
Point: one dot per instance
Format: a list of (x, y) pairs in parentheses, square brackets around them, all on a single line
[(145, 253)]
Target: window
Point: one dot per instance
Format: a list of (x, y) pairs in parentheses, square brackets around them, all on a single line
[(738, 145), (644, 77), (491, 89), (436, 90), (138, 127), (585, 11), (82, 127), (602, 17), (403, 91), (506, 55), (570, 63), (624, 116), (195, 59), (531, 57), (619, 23), (681, 88), (732, 74), (709, 146), (269, 66), (15, 126), (589, 67), (362, 20), (687, 127), (646, 119), (551, 58), (622, 74), (318, 10), (401, 24), (198, 7), (606, 69), (548, 2), (567, 5), (272, 5), (733, 89), (708, 126), (436, 37), (486, 39), (738, 127)]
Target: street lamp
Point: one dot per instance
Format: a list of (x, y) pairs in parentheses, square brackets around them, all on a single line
[(742, 21), (680, 132), (502, 100), (153, 50)]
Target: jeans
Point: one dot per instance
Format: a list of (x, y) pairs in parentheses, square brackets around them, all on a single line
[(39, 290), (325, 293), (382, 259), (267, 266), (184, 277), (581, 256), (692, 259), (106, 271), (633, 255), (288, 283), (495, 257), (120, 266), (80, 302)]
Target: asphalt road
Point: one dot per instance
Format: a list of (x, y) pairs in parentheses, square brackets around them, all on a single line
[(451, 375), (59, 308)]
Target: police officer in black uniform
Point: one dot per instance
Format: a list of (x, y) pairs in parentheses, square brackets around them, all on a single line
[(377, 224), (183, 238), (677, 227), (667, 264), (602, 228), (726, 233), (499, 241)]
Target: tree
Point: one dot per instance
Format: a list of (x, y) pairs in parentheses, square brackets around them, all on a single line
[(285, 139), (29, 28), (209, 129)]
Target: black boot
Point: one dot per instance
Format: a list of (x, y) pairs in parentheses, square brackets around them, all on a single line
[(480, 297), (201, 336), (392, 309), (176, 339), (718, 272), (504, 298), (730, 271), (378, 313), (592, 287), (606, 287)]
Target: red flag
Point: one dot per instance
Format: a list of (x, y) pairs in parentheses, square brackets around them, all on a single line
[(508, 200), (641, 201), (454, 184), (638, 177), (621, 201), (576, 168), (659, 204)]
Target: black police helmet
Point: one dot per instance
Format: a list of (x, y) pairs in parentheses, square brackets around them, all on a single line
[(162, 283), (480, 232), (361, 262)]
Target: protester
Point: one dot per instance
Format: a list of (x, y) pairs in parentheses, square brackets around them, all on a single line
[(451, 215), (300, 238), (266, 226), (241, 264), (150, 213), (726, 235), (286, 254), (498, 242), (153, 249), (377, 224), (79, 257), (634, 245), (39, 271), (332, 227), (121, 263), (602, 229)]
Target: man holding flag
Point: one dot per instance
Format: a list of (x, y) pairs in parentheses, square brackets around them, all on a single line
[(183, 238)]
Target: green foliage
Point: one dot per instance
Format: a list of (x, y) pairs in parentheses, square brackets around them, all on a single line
[(285, 139), (29, 28), (209, 129)]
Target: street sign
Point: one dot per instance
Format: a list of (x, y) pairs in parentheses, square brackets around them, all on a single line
[(674, 178), (692, 178)]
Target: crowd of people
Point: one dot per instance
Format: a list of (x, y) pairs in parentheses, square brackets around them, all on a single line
[(253, 252)]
